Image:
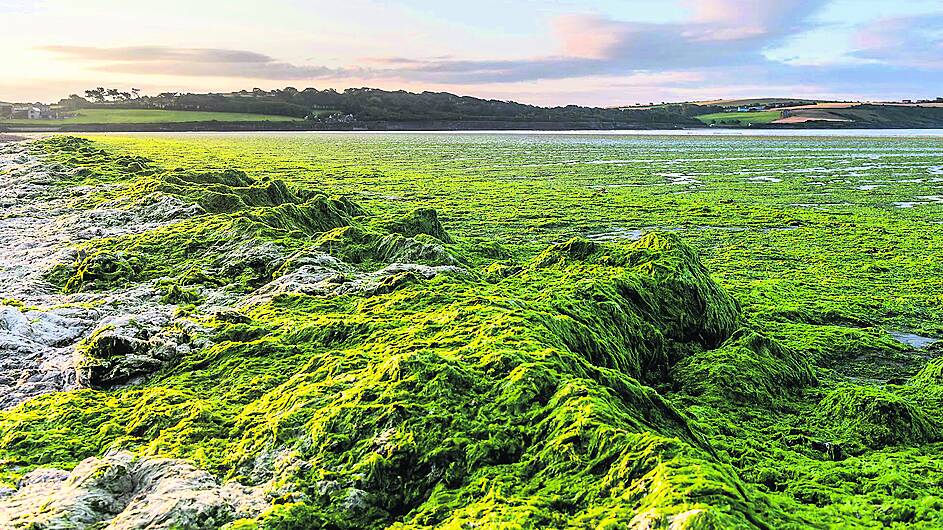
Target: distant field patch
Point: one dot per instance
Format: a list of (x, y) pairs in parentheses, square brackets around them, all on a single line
[(97, 116), (736, 118)]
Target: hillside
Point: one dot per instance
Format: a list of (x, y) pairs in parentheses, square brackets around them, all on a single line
[(373, 109), (888, 116), (352, 108), (831, 115)]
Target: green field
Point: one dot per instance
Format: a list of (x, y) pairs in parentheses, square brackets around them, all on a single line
[(103, 116), (590, 331), (721, 118)]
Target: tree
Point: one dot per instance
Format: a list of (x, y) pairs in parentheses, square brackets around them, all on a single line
[(74, 101), (96, 94), (112, 93), (136, 92)]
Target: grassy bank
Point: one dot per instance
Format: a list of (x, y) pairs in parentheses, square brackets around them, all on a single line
[(740, 118), (110, 116)]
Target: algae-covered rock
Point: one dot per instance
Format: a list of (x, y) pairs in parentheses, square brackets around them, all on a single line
[(865, 417), (320, 214), (122, 492), (320, 274), (419, 249), (656, 304), (748, 368), (97, 271), (127, 348), (420, 221), (35, 354), (930, 375)]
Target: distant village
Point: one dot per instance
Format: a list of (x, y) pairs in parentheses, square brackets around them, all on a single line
[(29, 111)]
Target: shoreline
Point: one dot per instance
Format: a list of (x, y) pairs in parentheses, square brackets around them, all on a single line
[(9, 133)]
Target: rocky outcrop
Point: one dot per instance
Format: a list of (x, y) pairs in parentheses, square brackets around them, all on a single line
[(40, 325), (120, 491), (320, 274), (36, 350), (420, 221), (125, 348)]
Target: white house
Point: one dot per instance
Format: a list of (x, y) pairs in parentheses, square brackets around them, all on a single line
[(32, 111)]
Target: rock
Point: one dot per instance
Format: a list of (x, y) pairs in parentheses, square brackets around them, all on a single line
[(252, 261), (420, 221), (98, 271), (320, 274), (36, 350), (39, 227), (120, 491), (391, 277), (862, 418), (126, 348), (420, 249)]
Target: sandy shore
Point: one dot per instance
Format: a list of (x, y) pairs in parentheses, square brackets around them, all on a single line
[(6, 138)]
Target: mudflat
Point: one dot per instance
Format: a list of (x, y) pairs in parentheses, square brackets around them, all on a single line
[(7, 138)]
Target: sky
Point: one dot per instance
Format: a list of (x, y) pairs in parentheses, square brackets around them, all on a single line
[(550, 52)]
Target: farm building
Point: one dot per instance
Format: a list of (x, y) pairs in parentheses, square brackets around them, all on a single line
[(33, 111)]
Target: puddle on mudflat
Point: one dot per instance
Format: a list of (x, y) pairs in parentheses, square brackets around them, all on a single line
[(603, 187), (926, 199), (764, 179), (616, 234), (634, 234), (818, 205), (912, 340), (679, 178)]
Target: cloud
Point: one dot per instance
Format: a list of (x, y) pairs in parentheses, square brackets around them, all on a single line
[(722, 43), (914, 41), (719, 33), (769, 14), (209, 62), (589, 46), (587, 36)]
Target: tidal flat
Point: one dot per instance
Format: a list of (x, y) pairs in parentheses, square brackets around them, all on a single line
[(471, 331)]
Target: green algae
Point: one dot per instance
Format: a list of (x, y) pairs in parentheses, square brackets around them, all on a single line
[(574, 385), (874, 418)]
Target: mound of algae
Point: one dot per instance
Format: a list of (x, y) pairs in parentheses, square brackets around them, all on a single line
[(366, 393)]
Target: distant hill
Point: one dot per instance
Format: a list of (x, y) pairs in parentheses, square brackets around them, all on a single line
[(823, 115), (882, 116), (750, 102), (374, 108)]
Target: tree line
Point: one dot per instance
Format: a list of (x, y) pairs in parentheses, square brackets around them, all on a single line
[(370, 104)]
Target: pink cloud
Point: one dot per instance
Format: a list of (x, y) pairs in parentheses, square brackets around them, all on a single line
[(589, 36), (902, 41)]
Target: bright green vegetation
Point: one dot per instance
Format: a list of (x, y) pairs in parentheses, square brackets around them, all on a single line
[(731, 368), (741, 118), (97, 116)]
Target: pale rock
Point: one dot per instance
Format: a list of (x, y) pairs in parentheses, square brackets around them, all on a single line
[(122, 492)]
